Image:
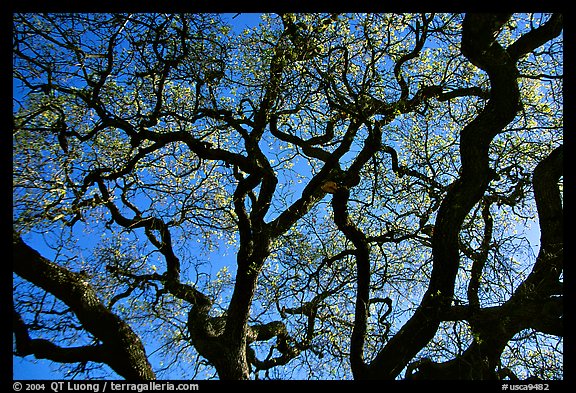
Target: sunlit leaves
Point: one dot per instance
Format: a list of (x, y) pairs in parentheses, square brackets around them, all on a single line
[(113, 79)]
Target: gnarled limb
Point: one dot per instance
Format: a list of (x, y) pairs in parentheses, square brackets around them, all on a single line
[(121, 347), (535, 304), (481, 48), (362, 254)]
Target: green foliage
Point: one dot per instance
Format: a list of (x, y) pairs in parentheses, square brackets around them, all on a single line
[(161, 114)]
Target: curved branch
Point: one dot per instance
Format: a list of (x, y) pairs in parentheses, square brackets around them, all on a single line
[(537, 37), (125, 353), (421, 35), (550, 261), (283, 343), (480, 47), (45, 349), (535, 304), (306, 146), (362, 254), (480, 257), (313, 192)]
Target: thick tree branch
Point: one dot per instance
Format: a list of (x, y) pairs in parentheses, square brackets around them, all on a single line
[(125, 353), (307, 147), (152, 84), (312, 193), (421, 33), (537, 37), (362, 254), (543, 280), (534, 305), (45, 349), (479, 46)]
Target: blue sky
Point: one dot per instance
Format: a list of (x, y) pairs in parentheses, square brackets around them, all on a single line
[(31, 368)]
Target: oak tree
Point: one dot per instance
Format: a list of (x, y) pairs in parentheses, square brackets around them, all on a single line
[(323, 196)]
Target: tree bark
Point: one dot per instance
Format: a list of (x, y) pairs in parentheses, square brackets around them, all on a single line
[(121, 347), (480, 47), (536, 304), (362, 254)]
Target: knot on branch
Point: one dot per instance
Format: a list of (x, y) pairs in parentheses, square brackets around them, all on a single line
[(330, 187)]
